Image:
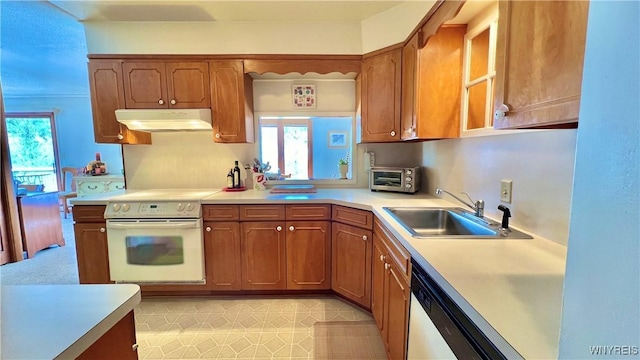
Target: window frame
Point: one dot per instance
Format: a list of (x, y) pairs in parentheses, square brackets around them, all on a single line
[(309, 114), (280, 125), (54, 138)]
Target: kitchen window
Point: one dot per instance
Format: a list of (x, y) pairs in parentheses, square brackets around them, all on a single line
[(34, 149), (305, 147)]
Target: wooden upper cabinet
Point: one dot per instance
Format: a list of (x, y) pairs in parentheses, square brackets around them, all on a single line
[(231, 102), (380, 96), (107, 95), (409, 87), (539, 60), (162, 85)]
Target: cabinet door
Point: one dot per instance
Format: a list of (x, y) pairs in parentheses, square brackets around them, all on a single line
[(351, 263), (377, 287), (539, 59), (92, 253), (263, 255), (222, 255), (231, 102), (117, 343), (188, 85), (308, 246), (381, 87), (397, 313), (107, 96), (145, 85)]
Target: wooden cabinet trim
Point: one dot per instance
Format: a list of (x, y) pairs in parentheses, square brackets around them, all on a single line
[(220, 212), (308, 212), (351, 216), (262, 212)]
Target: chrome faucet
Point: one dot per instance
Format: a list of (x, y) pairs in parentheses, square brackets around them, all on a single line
[(478, 206)]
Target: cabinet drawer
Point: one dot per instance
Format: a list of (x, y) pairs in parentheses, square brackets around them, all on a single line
[(114, 185), (355, 217), (262, 212), (91, 187), (397, 252), (88, 213), (308, 212), (220, 212)]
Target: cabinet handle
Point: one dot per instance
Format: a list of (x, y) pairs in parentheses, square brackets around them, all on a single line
[(120, 136), (134, 347), (382, 258), (173, 102), (364, 237), (208, 229), (217, 136), (387, 266), (103, 229), (291, 228), (392, 133), (279, 228), (161, 102), (501, 112)]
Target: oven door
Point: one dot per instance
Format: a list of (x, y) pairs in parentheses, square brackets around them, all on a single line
[(156, 251)]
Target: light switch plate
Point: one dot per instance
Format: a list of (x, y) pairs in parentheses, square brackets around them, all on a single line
[(505, 191)]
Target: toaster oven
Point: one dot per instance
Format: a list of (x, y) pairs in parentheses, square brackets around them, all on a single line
[(398, 179)]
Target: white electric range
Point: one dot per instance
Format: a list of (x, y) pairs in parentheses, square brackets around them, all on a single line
[(155, 236)]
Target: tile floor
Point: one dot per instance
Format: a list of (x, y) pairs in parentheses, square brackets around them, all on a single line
[(248, 327)]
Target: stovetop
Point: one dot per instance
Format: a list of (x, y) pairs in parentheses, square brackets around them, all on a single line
[(157, 203)]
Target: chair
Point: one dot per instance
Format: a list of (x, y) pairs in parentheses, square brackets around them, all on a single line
[(63, 194)]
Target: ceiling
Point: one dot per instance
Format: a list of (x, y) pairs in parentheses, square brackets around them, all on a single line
[(239, 10)]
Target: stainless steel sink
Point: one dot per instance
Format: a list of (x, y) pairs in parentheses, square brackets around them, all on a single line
[(428, 222)]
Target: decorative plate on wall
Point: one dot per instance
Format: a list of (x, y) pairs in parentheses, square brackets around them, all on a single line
[(304, 96)]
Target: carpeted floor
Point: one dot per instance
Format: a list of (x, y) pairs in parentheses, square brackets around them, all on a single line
[(52, 266), (346, 340)]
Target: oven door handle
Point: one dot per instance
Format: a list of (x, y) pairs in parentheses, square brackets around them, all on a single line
[(153, 225)]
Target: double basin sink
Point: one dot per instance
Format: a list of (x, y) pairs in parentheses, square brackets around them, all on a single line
[(427, 222)]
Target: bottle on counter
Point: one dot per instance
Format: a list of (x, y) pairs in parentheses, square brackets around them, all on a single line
[(236, 175), (230, 183)]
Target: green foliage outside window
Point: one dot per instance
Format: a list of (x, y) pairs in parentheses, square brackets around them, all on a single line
[(30, 141)]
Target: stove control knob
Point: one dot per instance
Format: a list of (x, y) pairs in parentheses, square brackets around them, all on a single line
[(190, 207), (116, 207), (180, 207), (125, 207)]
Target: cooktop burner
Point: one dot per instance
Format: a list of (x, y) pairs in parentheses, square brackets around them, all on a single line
[(165, 195)]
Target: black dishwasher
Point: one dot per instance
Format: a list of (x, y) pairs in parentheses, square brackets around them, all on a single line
[(460, 333)]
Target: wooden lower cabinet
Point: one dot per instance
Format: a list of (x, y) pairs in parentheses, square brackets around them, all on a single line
[(91, 244), (351, 263), (308, 246), (391, 294), (222, 255), (263, 251), (119, 342)]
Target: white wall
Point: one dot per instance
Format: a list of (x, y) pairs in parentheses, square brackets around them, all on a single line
[(394, 25), (222, 38), (74, 129), (602, 286), (540, 163)]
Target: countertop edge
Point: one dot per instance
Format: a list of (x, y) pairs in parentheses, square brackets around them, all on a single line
[(82, 344)]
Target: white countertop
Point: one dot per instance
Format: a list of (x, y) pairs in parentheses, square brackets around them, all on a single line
[(512, 289), (60, 321)]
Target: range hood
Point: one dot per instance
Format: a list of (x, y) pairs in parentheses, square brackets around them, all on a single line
[(165, 119)]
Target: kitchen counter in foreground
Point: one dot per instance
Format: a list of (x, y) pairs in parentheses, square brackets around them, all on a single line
[(511, 289), (60, 321)]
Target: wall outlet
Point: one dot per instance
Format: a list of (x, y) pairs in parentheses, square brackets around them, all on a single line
[(505, 191)]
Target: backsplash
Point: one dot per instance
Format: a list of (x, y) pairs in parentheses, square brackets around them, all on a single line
[(540, 163)]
